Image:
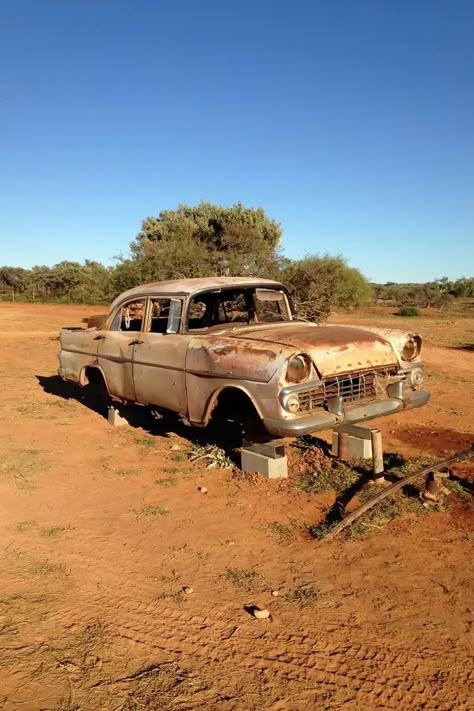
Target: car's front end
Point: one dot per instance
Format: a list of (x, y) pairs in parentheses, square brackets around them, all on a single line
[(324, 403), (341, 375)]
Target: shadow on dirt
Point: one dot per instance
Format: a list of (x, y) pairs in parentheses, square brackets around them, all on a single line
[(440, 442), (392, 460), (464, 347), (223, 430)]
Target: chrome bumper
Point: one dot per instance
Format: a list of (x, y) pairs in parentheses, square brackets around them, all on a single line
[(324, 420)]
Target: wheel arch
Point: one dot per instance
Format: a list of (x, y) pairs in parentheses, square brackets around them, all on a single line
[(230, 391), (92, 372)]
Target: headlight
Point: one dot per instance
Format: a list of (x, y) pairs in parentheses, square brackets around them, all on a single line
[(411, 349), (298, 369), (292, 403), (417, 376)]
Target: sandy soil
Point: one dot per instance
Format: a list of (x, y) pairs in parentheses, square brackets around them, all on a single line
[(100, 529)]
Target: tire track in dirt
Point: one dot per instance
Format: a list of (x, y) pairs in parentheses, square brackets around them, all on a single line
[(351, 671)]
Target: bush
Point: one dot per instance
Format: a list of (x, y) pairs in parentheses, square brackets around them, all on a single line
[(408, 311), (318, 284)]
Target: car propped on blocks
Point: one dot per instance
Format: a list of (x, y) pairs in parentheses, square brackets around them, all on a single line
[(184, 345)]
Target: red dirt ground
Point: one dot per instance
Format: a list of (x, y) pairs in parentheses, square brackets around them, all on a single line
[(92, 616)]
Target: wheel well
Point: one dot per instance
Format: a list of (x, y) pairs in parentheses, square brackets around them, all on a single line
[(233, 401), (92, 374), (234, 407)]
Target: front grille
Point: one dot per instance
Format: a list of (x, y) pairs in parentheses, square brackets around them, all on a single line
[(352, 387)]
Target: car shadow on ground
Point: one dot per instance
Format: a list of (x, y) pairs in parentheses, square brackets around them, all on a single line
[(464, 347), (225, 433)]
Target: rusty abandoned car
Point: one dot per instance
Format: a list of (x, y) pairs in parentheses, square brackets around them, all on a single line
[(184, 345)]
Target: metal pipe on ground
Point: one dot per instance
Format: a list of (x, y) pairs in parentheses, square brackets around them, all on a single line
[(459, 457)]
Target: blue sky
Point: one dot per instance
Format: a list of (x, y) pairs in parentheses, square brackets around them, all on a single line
[(350, 121)]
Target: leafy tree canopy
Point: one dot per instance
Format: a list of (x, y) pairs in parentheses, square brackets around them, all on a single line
[(206, 240), (321, 283)]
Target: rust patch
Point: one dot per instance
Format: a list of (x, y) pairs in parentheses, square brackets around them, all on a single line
[(223, 357), (309, 335), (243, 349)]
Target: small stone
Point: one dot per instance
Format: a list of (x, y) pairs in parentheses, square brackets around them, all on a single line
[(175, 447), (202, 489), (261, 614), (275, 593), (187, 590)]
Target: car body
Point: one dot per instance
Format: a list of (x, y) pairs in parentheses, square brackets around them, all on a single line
[(179, 345)]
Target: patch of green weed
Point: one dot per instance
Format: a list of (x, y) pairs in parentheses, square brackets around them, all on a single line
[(26, 525), (53, 531), (21, 465), (388, 509), (151, 510), (282, 531), (331, 477), (123, 473), (168, 481), (248, 580), (43, 568), (455, 487), (304, 595), (146, 442)]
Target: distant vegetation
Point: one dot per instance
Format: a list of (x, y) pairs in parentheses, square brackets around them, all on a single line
[(211, 240), (438, 293), (408, 311)]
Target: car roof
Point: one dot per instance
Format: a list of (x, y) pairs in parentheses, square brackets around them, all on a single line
[(191, 286)]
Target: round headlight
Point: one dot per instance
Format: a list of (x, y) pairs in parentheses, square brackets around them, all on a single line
[(411, 349), (292, 403), (298, 369), (417, 376)]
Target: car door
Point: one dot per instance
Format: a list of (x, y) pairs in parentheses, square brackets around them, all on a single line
[(116, 346), (159, 360)]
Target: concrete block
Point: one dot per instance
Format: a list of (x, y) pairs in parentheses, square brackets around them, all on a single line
[(358, 447), (274, 448), (115, 418), (274, 467)]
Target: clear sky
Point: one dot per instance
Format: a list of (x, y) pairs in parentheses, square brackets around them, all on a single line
[(350, 121)]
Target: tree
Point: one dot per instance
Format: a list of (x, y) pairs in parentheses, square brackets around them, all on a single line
[(206, 240), (14, 280), (320, 283)]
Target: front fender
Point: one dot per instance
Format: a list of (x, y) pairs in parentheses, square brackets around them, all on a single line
[(225, 357), (215, 396)]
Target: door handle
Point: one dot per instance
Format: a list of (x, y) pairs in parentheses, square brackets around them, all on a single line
[(99, 338), (136, 342)]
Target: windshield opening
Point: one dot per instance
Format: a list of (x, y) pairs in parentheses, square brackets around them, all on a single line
[(229, 307)]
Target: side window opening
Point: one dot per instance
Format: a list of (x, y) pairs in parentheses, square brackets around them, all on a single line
[(129, 318), (160, 312)]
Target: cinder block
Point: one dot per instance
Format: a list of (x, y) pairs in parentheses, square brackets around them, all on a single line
[(270, 467), (115, 418), (358, 447)]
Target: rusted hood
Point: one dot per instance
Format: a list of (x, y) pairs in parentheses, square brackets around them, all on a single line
[(333, 349)]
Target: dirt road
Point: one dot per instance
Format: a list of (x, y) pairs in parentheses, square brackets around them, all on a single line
[(101, 528)]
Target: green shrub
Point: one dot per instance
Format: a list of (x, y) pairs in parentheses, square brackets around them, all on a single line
[(408, 311)]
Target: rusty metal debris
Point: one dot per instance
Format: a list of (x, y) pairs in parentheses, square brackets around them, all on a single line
[(433, 469)]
